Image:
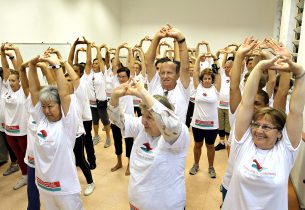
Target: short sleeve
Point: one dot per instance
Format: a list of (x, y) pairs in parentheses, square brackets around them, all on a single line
[(132, 126)]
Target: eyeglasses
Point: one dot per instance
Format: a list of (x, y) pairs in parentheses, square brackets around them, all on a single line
[(266, 128), (121, 77)]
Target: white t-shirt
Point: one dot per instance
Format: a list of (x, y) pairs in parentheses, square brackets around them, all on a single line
[(16, 115), (260, 177), (178, 97), (192, 90), (53, 151), (96, 87), (156, 168), (224, 93), (31, 135), (81, 104), (140, 78), (4, 89), (206, 64), (126, 104), (205, 114), (109, 81), (87, 116)]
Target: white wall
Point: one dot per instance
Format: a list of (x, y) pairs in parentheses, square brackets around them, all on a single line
[(60, 20), (288, 23), (114, 21), (220, 22)]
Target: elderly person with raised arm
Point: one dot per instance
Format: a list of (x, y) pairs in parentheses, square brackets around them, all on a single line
[(157, 160), (173, 78), (265, 144), (55, 111)]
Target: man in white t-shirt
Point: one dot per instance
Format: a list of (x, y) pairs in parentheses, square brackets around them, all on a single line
[(173, 79), (223, 107)]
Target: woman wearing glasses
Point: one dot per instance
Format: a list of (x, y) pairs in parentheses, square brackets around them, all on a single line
[(265, 144)]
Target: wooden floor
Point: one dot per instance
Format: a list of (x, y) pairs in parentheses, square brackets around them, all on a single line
[(111, 187)]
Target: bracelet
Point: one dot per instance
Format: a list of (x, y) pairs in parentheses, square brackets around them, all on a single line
[(299, 76), (57, 66), (12, 57), (181, 41)]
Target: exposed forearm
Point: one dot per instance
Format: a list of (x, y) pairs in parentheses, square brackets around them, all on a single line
[(271, 82), (297, 99), (19, 59), (88, 59), (251, 87), (5, 66), (196, 73), (107, 59), (116, 61), (74, 77), (224, 60), (236, 71), (62, 83), (185, 65), (150, 55), (71, 54), (100, 60), (176, 51), (280, 97), (34, 84)]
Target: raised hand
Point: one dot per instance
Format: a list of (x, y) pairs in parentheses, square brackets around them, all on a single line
[(162, 33), (123, 45), (49, 59), (9, 46), (174, 33), (287, 65), (247, 46), (278, 48)]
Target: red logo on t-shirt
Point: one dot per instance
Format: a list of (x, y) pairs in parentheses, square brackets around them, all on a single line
[(204, 94), (147, 145), (42, 133)]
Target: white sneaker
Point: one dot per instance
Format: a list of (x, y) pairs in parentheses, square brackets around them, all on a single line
[(107, 143), (96, 139), (21, 182), (90, 188)]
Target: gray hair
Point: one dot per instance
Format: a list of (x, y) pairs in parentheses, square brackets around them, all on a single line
[(162, 99), (49, 93)]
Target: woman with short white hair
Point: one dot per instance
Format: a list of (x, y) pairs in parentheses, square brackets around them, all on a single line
[(55, 111)]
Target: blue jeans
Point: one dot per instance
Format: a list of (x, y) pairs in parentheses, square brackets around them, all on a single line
[(33, 193)]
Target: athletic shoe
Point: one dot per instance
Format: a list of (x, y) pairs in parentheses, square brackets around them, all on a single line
[(11, 169), (220, 146), (90, 188), (194, 169), (21, 182), (107, 143), (212, 172), (96, 139)]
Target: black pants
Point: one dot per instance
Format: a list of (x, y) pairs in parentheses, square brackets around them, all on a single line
[(80, 158), (189, 114), (10, 151), (88, 143), (137, 110), (117, 138)]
